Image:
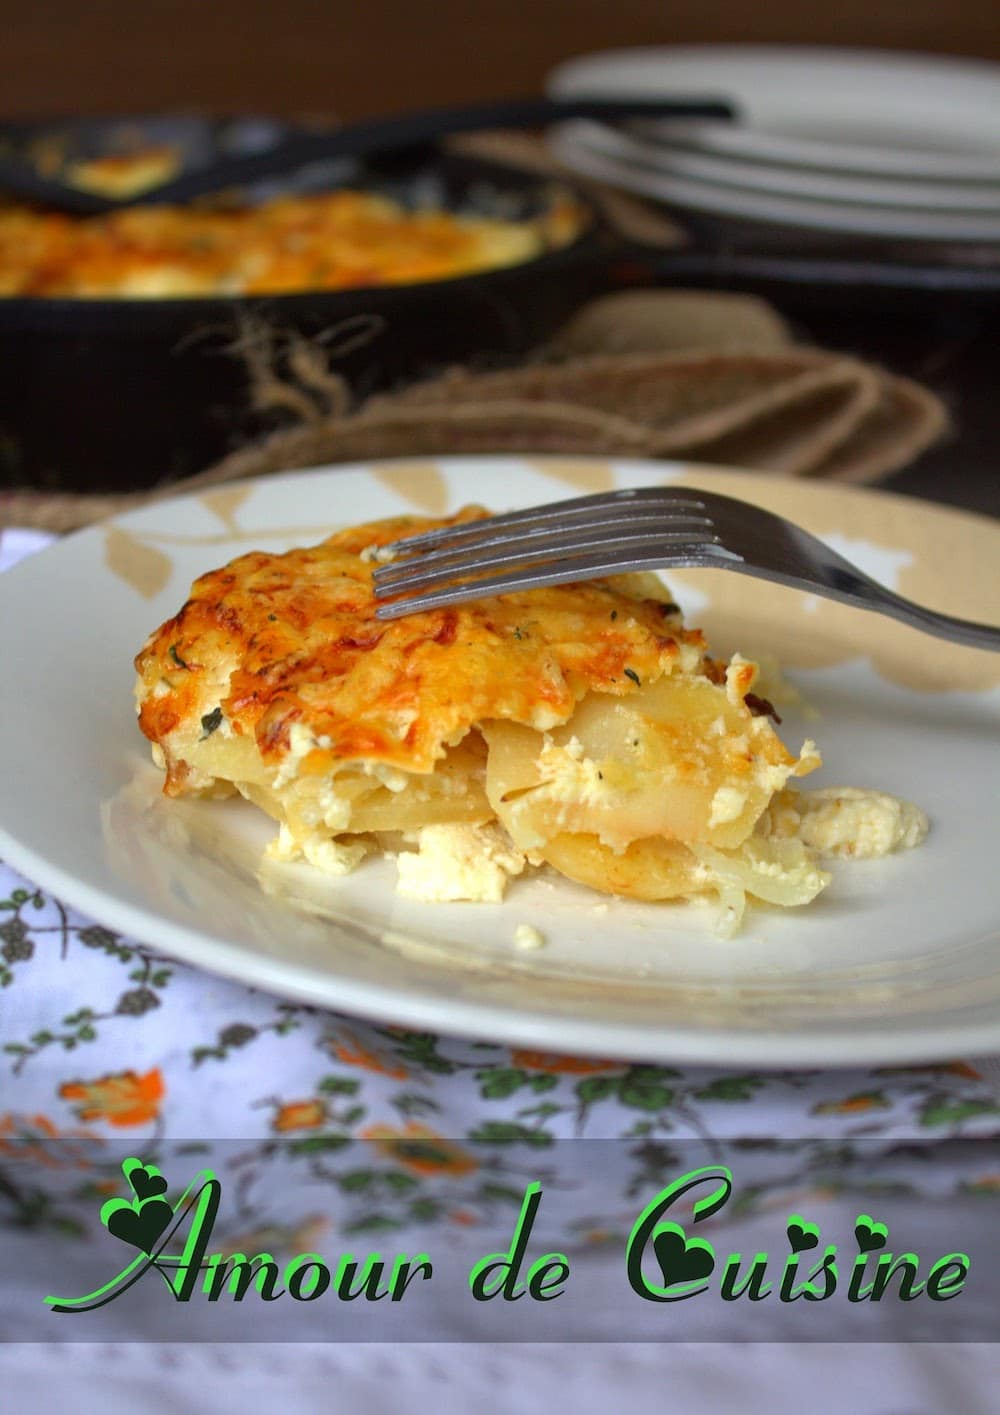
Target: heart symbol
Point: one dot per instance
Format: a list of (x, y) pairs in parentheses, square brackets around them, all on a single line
[(146, 1180), (141, 1229), (801, 1235), (869, 1234), (681, 1259)]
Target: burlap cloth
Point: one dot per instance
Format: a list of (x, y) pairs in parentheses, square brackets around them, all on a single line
[(646, 373), (710, 377)]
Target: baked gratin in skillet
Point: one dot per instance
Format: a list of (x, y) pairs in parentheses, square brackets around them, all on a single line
[(338, 240), (580, 727)]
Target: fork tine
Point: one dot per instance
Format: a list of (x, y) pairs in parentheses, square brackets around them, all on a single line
[(536, 546), (417, 573), (587, 567), (741, 537), (650, 517), (580, 506)]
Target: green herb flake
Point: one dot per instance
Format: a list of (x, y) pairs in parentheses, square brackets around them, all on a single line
[(273, 618), (210, 722), (614, 614), (668, 607), (177, 658), (631, 673)]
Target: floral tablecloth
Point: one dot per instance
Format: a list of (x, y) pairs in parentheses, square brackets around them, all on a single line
[(102, 1036), (330, 1129)]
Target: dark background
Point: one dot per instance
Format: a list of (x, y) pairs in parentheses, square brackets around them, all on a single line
[(362, 57), (306, 57)]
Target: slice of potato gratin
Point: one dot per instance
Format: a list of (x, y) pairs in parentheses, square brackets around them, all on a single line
[(579, 726)]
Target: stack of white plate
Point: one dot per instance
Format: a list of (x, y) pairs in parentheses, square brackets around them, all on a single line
[(847, 141)]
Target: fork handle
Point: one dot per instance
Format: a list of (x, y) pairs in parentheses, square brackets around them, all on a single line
[(850, 586), (942, 626), (811, 565)]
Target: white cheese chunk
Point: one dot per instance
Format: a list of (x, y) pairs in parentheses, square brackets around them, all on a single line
[(459, 861), (848, 821), (727, 805), (330, 857), (528, 938)]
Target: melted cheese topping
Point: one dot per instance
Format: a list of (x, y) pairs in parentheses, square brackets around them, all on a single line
[(288, 651), (327, 241)]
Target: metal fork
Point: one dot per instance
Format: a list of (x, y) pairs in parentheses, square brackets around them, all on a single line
[(647, 528)]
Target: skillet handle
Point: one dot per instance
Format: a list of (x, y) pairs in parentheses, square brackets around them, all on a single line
[(377, 136)]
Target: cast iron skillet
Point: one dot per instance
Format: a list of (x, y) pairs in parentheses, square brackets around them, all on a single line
[(122, 394), (108, 394)]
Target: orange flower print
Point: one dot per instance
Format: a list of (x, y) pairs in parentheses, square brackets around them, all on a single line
[(123, 1098), (352, 1053), (36, 1124), (299, 1115), (983, 1184), (27, 1140), (420, 1149), (303, 1237), (854, 1105), (569, 1065), (935, 1068)]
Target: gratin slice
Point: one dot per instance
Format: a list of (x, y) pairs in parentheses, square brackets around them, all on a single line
[(579, 726)]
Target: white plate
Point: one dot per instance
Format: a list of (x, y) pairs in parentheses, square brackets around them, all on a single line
[(745, 204), (676, 160), (898, 960), (848, 110)]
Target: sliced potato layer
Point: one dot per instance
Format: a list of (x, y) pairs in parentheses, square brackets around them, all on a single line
[(679, 761)]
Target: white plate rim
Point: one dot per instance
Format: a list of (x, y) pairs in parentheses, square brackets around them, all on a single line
[(781, 179), (614, 72), (461, 1018), (788, 211)]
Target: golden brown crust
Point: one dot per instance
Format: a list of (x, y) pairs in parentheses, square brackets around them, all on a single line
[(270, 641)]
